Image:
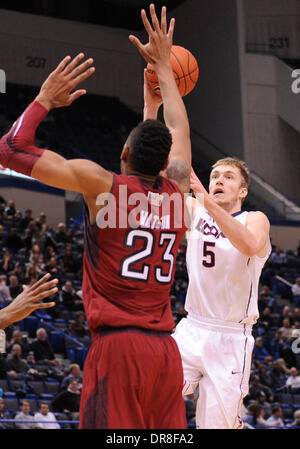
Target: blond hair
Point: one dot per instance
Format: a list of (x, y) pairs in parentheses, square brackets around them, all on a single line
[(240, 165)]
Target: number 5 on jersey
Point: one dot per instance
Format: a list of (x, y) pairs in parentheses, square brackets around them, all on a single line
[(208, 255)]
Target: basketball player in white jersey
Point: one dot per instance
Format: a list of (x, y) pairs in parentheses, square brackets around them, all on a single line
[(227, 249)]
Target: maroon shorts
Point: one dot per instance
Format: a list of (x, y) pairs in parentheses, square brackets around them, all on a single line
[(132, 380)]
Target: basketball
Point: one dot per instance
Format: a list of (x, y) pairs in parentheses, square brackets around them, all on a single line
[(185, 69)]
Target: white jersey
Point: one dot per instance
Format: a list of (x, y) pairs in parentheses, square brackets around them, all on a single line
[(223, 283)]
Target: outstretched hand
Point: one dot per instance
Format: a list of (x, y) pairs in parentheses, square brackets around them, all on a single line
[(195, 183), (158, 48), (29, 300), (57, 90)]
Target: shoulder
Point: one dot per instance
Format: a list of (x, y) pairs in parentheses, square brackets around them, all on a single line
[(257, 216)]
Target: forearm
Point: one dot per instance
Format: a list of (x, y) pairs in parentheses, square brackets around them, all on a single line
[(150, 112), (175, 115), (6, 318), (17, 149), (238, 234)]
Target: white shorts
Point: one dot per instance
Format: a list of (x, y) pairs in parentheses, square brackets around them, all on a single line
[(216, 357)]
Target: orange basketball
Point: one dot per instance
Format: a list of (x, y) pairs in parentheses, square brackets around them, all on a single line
[(185, 69)]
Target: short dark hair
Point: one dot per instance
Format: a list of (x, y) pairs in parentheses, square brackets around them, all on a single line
[(149, 147)]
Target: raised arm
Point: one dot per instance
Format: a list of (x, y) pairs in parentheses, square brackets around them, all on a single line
[(17, 149), (157, 52), (252, 239)]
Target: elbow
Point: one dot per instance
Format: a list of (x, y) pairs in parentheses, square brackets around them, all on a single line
[(251, 250)]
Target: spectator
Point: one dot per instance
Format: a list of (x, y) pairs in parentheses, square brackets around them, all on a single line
[(26, 220), (61, 235), (17, 338), (46, 238), (276, 345), (41, 220), (278, 256), (69, 298), (276, 418), (14, 286), (296, 422), (68, 261), (266, 319), (296, 317), (286, 313), (4, 289), (296, 292), (293, 381), (269, 298), (256, 387), (13, 241), (79, 329), (262, 401), (19, 272), (52, 267), (68, 401), (42, 348), (7, 263), (25, 415), (44, 418), (74, 374), (260, 352), (4, 415), (263, 372), (262, 422), (250, 417), (278, 374), (10, 210), (16, 366), (287, 332)]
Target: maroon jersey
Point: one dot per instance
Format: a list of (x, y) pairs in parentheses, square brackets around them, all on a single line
[(129, 265)]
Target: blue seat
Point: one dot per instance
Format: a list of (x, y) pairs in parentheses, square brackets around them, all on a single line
[(52, 387), (31, 325), (57, 340), (71, 354), (80, 356), (11, 404)]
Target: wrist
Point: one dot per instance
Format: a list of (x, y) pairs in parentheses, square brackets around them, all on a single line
[(151, 111), (45, 102)]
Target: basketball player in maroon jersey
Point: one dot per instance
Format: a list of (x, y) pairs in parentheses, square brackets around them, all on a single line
[(133, 373)]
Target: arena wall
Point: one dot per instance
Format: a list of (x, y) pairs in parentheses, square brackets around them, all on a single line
[(30, 194)]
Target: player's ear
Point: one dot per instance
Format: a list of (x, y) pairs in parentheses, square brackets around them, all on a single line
[(166, 164), (125, 153), (243, 193)]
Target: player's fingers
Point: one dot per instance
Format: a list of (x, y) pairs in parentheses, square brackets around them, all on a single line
[(40, 282), (135, 41), (164, 20), (44, 305), (61, 66), (81, 68), (75, 95), (73, 63), (25, 287), (154, 18), (141, 48), (45, 294), (83, 76), (171, 28), (44, 287), (146, 22)]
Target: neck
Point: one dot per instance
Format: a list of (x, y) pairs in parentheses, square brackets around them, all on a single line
[(231, 208), (148, 178)]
